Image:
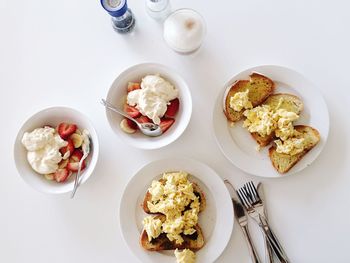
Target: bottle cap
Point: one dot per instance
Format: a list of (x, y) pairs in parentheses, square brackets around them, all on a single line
[(115, 7)]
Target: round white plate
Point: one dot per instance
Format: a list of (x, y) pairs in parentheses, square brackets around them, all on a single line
[(236, 142), (216, 220)]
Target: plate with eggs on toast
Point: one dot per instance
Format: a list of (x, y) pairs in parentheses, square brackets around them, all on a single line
[(270, 121), (176, 208)]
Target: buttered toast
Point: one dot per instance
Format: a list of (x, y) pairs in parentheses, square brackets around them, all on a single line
[(285, 101), (193, 242), (284, 162), (260, 88)]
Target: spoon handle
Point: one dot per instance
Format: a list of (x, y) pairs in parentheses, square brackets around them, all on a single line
[(111, 107)]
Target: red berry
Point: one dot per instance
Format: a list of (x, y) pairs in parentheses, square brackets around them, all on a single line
[(69, 147), (173, 108), (61, 175), (66, 129), (74, 159), (165, 123), (131, 111)]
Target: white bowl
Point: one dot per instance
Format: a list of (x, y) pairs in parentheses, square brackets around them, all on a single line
[(117, 94), (53, 116)]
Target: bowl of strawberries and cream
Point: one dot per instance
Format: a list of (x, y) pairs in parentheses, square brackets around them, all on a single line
[(150, 93), (49, 147)]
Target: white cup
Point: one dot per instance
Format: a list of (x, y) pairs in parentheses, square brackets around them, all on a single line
[(184, 30)]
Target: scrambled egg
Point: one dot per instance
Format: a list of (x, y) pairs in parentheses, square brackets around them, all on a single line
[(153, 227), (174, 197), (240, 101), (260, 119), (285, 128), (185, 256), (264, 120)]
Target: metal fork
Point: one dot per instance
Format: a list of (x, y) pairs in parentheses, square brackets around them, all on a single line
[(255, 208)]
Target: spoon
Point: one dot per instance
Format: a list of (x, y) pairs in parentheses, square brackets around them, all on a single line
[(149, 129), (86, 151)]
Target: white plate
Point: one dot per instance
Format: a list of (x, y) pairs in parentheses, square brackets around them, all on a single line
[(236, 142), (216, 220)]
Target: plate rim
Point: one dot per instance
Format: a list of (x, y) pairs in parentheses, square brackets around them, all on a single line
[(229, 217), (274, 173)]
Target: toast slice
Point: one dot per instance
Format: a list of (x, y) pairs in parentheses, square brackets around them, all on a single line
[(196, 189), (193, 242), (260, 88), (284, 162), (290, 103)]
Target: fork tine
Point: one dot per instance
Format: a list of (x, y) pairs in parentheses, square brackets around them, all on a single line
[(255, 192), (250, 187), (248, 194), (243, 198)]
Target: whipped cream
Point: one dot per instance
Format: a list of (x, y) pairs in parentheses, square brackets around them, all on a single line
[(153, 97), (43, 145)]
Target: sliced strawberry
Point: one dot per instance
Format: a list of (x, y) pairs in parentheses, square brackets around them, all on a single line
[(144, 119), (133, 86), (69, 147), (66, 129), (165, 123), (61, 175), (173, 108), (131, 124), (131, 111), (74, 160)]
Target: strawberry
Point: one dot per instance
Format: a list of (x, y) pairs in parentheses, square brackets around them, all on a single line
[(74, 160), (66, 129), (144, 119), (69, 147), (131, 111), (133, 86), (165, 123), (61, 175), (173, 108), (131, 124)]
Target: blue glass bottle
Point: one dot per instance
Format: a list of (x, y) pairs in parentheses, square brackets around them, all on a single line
[(123, 20)]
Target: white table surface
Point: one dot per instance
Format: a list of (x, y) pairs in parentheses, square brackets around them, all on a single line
[(66, 53)]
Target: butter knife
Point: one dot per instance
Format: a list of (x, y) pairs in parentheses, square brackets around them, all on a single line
[(242, 219), (268, 250)]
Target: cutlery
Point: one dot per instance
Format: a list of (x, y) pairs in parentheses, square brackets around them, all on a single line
[(268, 251), (149, 129), (86, 151), (255, 208), (242, 221)]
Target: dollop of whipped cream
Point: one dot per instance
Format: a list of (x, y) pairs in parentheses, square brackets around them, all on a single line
[(153, 97), (43, 145)]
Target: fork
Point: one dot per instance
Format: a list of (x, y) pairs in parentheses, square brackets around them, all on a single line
[(255, 208)]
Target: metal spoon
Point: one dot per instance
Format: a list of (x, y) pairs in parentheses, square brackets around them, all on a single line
[(149, 129), (86, 151)]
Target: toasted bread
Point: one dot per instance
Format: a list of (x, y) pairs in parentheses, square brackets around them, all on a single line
[(284, 162), (192, 242), (291, 103), (196, 189), (260, 88)]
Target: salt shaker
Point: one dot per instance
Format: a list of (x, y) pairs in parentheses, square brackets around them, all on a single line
[(123, 20), (158, 9)]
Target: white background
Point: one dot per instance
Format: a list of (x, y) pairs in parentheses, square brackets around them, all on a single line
[(66, 53)]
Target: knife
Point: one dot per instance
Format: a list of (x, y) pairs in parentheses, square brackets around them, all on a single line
[(268, 250), (242, 221)]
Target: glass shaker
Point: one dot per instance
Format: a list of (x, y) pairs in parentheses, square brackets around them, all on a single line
[(123, 20)]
